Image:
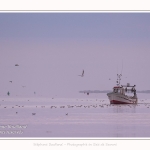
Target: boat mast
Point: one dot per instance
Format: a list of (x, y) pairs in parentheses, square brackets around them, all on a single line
[(119, 75), (118, 79)]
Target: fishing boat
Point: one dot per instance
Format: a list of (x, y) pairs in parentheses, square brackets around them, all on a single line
[(121, 94)]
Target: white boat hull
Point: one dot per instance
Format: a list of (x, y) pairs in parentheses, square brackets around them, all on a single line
[(117, 98)]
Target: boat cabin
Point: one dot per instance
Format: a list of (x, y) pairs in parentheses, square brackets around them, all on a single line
[(120, 90), (124, 89)]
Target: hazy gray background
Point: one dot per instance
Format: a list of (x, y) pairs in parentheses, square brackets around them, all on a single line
[(52, 49)]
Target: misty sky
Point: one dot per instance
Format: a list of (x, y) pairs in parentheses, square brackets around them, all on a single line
[(52, 49)]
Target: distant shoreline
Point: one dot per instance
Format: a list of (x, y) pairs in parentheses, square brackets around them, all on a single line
[(107, 91)]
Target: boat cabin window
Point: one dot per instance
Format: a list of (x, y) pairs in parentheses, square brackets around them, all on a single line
[(116, 90)]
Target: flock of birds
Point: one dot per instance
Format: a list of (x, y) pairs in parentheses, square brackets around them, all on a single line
[(77, 106), (100, 104)]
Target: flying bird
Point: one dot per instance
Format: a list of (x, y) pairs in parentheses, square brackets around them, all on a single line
[(82, 74), (8, 93)]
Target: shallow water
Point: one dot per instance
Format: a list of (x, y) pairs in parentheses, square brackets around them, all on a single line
[(76, 117)]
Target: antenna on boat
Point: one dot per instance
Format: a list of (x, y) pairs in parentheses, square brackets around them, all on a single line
[(118, 79), (119, 75)]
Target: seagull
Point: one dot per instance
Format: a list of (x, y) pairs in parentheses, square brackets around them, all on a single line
[(8, 93), (10, 81), (82, 74), (16, 65)]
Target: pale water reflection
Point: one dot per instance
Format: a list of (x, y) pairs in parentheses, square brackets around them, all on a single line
[(78, 117)]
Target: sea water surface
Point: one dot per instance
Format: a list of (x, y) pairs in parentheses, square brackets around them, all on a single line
[(74, 117)]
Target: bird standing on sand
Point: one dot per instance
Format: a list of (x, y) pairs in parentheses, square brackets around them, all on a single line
[(82, 74)]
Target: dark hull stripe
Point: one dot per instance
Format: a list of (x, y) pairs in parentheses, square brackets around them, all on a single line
[(119, 102)]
